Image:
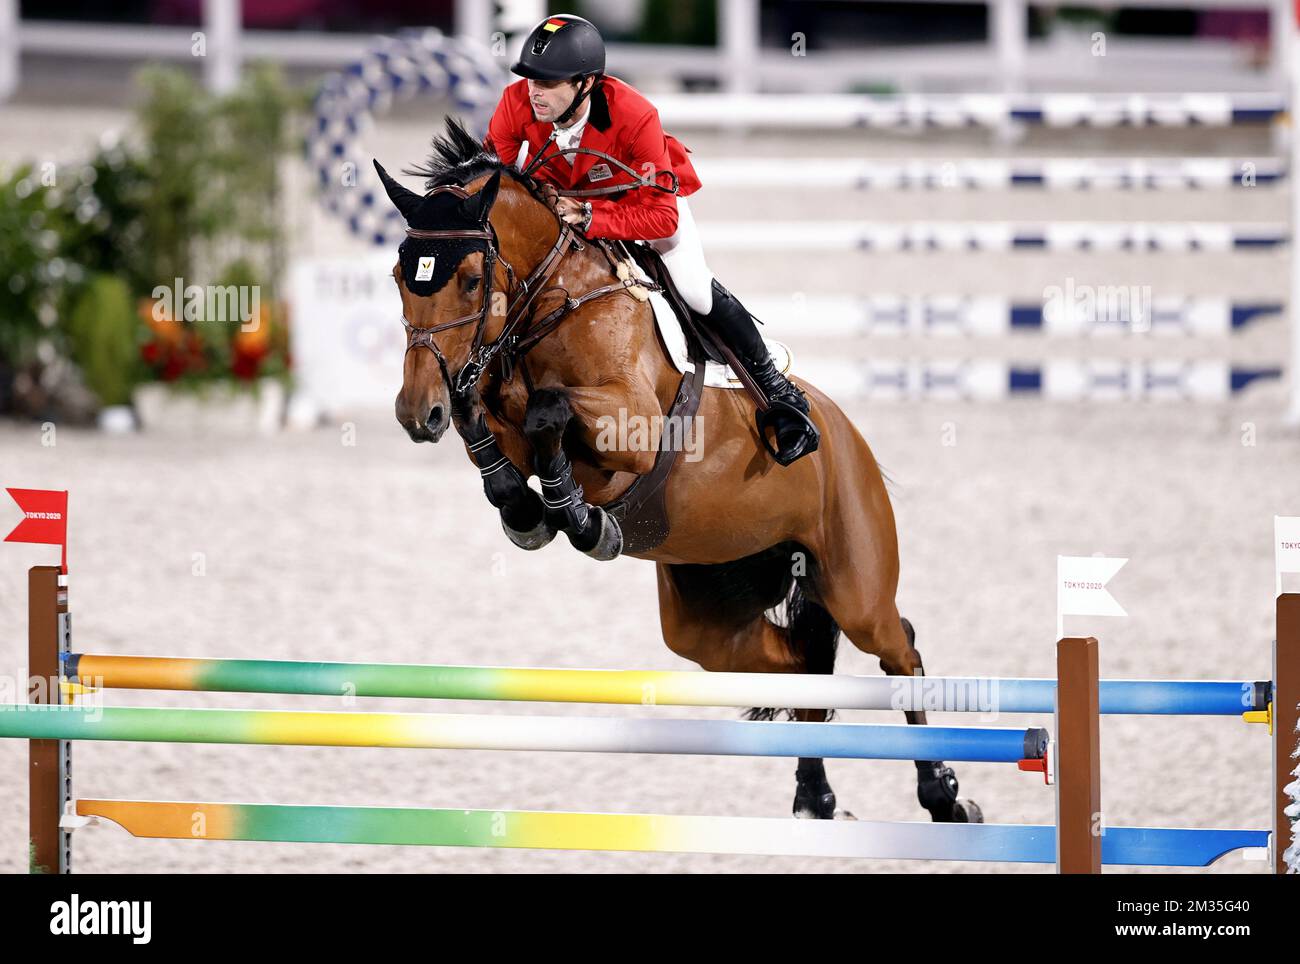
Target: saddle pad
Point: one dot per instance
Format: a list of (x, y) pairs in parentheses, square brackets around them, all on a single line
[(716, 374)]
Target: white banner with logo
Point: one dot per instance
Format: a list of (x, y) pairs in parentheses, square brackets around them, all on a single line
[(346, 332)]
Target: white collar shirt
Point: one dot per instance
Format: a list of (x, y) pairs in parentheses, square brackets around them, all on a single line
[(571, 136)]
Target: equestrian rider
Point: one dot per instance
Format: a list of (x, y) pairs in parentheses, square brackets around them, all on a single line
[(566, 94)]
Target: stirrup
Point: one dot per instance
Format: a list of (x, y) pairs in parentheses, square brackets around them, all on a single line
[(772, 418)]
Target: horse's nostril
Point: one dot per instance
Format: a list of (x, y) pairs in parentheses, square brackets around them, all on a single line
[(435, 417)]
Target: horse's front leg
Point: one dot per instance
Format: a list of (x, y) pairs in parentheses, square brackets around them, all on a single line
[(502, 456), (550, 414)]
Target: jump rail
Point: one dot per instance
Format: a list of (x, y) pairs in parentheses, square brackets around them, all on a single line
[(1124, 313), (966, 236), (657, 833), (1057, 379), (974, 174), (423, 681), (1078, 698), (968, 110), (577, 734)]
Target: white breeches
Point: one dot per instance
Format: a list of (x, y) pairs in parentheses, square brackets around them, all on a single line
[(683, 256)]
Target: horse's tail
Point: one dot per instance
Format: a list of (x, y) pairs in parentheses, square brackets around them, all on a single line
[(811, 632), (890, 484), (812, 636)]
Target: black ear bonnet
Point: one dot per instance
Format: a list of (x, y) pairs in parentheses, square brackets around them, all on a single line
[(429, 263), (413, 254)]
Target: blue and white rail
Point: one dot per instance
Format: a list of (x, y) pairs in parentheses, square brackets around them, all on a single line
[(991, 174), (968, 110), (971, 236), (1065, 380), (1115, 312)]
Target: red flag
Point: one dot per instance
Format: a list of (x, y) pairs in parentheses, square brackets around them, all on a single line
[(46, 519)]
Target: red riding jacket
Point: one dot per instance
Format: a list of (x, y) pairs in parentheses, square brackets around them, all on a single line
[(622, 124)]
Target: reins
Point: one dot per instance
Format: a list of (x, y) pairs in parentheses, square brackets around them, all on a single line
[(652, 181)]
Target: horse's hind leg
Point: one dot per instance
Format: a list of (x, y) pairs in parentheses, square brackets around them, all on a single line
[(892, 639), (716, 617), (857, 548), (936, 782), (814, 634)]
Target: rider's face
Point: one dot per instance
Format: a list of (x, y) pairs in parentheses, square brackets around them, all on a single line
[(550, 98)]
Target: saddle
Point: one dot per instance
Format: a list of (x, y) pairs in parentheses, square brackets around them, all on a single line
[(641, 511), (700, 346), (675, 324)]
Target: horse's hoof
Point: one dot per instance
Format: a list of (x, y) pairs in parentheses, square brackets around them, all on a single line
[(937, 792), (815, 806), (535, 538), (609, 544), (966, 811)]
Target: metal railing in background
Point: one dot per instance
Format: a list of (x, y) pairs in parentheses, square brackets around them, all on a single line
[(1007, 62)]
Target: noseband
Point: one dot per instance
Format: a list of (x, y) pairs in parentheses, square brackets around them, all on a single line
[(481, 355)]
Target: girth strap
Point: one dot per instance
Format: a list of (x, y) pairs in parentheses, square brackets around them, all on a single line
[(642, 511)]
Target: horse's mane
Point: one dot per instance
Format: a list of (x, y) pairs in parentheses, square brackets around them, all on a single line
[(458, 157)]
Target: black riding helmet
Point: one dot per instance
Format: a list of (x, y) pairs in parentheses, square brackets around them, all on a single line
[(563, 47)]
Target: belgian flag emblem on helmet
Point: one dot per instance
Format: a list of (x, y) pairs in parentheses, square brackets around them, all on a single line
[(560, 48)]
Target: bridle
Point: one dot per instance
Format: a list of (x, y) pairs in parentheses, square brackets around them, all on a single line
[(481, 354), (512, 343)]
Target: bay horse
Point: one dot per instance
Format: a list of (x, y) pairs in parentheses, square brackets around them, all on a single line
[(485, 258)]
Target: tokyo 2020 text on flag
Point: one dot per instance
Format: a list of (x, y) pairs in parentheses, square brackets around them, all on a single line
[(45, 519)]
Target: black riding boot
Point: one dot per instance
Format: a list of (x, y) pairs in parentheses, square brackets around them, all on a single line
[(796, 435)]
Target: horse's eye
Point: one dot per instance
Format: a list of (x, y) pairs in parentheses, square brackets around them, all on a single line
[(471, 284)]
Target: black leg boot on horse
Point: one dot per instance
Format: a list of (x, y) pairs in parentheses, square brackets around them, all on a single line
[(936, 782), (522, 515), (787, 413), (590, 528)]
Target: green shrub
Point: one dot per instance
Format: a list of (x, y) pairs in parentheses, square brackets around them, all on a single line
[(194, 193), (31, 229), (102, 329)]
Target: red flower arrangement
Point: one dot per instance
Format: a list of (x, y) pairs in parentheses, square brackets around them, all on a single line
[(178, 349), (173, 350)]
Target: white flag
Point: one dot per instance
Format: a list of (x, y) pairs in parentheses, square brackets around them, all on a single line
[(1081, 588), (1286, 546)]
